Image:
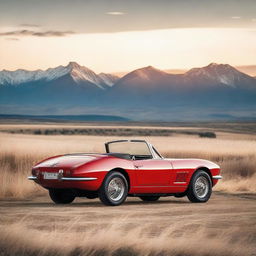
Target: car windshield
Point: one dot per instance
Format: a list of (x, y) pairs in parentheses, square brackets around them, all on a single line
[(134, 148)]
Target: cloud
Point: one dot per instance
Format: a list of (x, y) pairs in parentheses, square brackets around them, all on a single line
[(12, 39), (236, 17), (29, 25), (115, 13), (25, 32)]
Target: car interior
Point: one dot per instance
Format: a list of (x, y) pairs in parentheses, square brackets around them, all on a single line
[(130, 150)]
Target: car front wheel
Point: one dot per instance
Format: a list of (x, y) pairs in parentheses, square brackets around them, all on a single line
[(114, 189), (200, 187), (62, 196)]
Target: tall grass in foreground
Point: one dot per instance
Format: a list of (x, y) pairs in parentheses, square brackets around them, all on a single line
[(190, 240), (14, 170)]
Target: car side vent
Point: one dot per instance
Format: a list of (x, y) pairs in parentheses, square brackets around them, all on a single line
[(181, 177)]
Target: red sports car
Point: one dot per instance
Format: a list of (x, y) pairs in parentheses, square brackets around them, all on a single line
[(128, 168)]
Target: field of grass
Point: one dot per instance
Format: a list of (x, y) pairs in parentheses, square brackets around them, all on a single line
[(31, 225), (234, 152)]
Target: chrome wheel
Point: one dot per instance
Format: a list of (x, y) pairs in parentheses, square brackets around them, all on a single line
[(116, 189), (201, 186)]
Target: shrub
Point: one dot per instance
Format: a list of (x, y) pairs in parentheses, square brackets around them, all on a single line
[(207, 135)]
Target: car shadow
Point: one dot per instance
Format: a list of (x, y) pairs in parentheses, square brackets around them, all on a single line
[(13, 204), (155, 203)]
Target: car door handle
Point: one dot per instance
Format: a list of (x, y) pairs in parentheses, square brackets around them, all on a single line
[(138, 165)]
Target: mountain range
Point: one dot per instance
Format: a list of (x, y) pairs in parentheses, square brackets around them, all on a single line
[(217, 91)]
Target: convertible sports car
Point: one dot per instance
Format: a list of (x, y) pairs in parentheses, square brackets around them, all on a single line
[(128, 168)]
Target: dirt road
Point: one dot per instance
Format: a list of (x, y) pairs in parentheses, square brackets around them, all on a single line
[(226, 225)]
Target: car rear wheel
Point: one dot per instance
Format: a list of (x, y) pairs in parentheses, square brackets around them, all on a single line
[(149, 198), (62, 196), (200, 187), (114, 189)]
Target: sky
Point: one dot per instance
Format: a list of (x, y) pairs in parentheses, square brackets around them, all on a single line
[(122, 35)]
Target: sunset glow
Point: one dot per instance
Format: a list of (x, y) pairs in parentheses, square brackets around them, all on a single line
[(121, 35), (110, 52)]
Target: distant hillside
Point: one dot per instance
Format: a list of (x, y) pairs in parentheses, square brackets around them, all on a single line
[(66, 118)]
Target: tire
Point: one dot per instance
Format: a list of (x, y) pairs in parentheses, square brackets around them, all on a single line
[(114, 189), (149, 198), (200, 187), (62, 196)]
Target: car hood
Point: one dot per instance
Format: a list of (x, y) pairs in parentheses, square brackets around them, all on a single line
[(69, 161)]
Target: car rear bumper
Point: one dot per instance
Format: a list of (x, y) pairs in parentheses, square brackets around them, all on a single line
[(67, 178)]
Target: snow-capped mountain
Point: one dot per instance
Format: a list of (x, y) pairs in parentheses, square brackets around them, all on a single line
[(148, 73), (144, 79), (108, 79), (79, 74), (148, 92), (218, 74)]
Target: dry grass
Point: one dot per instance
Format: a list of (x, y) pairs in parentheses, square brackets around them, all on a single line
[(223, 226), (114, 239), (18, 153), (14, 171)]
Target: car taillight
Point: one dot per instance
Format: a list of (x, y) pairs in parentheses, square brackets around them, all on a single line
[(35, 172)]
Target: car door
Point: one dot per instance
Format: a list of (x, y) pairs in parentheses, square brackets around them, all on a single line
[(153, 172)]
